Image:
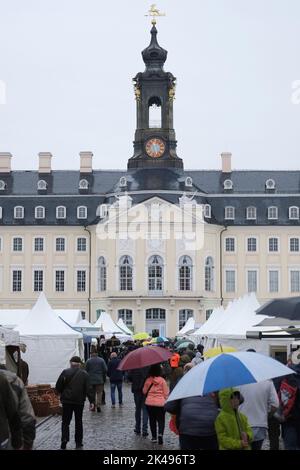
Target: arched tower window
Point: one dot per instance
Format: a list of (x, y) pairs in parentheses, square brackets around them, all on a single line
[(209, 274), (185, 273), (126, 274), (155, 273), (155, 112)]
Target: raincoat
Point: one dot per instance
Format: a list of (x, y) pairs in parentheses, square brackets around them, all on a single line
[(230, 423)]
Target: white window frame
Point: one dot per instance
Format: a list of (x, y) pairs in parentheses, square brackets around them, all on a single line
[(228, 184), (270, 209), (188, 182), (124, 317), (36, 212), (38, 268), (294, 252), (33, 244), (102, 281), (291, 209), (123, 182), (58, 209), (257, 246), (229, 212), (212, 277), (293, 268), (102, 211), (12, 244), (271, 269), (249, 216), (83, 184), (76, 280), (1, 212), (17, 208), (248, 269), (156, 277), (2, 185), (86, 244), (234, 270), (65, 238), (12, 269), (207, 211), (228, 251), (278, 244), (79, 208), (187, 312), (270, 184), (131, 265), (58, 268), (191, 268), (42, 185)]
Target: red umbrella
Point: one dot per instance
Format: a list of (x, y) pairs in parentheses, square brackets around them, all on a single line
[(143, 357)]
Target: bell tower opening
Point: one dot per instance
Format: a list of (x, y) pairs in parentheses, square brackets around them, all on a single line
[(155, 113)]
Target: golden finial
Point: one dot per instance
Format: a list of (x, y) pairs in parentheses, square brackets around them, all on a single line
[(154, 12)]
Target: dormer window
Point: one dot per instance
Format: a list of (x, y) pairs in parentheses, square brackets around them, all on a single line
[(273, 213), (81, 212), (123, 182), (83, 184), (61, 212), (2, 185), (42, 185), (270, 184), (207, 211), (19, 212), (251, 213), (39, 212), (102, 211), (188, 182), (228, 184), (294, 213), (229, 213)]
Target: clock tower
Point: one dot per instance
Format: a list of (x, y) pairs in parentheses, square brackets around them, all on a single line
[(155, 141)]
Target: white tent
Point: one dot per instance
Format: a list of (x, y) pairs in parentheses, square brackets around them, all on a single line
[(84, 324), (123, 326), (50, 342), (12, 317), (229, 326), (189, 326), (70, 316), (107, 325)]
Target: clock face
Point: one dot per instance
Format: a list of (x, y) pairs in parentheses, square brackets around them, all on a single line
[(155, 148)]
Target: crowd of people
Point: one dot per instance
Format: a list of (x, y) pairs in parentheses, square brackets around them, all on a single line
[(232, 419)]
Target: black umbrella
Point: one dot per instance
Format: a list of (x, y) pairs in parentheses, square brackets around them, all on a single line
[(286, 308)]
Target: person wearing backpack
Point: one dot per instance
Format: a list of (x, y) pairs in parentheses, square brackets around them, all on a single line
[(289, 397)]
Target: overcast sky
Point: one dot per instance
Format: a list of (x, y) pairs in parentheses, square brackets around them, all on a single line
[(68, 64)]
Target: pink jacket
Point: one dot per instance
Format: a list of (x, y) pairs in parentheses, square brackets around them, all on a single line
[(158, 393)]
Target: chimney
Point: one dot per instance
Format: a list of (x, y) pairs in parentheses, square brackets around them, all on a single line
[(5, 162), (86, 162), (45, 162), (226, 162)]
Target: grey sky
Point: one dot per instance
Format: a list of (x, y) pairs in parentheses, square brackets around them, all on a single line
[(68, 65)]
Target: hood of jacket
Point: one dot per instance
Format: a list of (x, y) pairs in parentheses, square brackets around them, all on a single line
[(224, 399)]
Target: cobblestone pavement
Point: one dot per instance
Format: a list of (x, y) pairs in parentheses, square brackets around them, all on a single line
[(110, 429)]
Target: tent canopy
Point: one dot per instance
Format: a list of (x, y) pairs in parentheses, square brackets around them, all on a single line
[(189, 326), (123, 326), (107, 325)]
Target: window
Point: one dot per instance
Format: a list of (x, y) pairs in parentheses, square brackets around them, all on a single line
[(123, 182), (17, 244), (230, 280), (185, 273), (38, 280), (273, 280), (39, 212), (188, 182), (293, 213), (295, 280), (155, 111), (209, 274), (273, 244), (251, 244), (101, 274), (251, 213), (59, 281), (83, 184), (19, 212), (1, 212), (102, 211), (155, 314), (98, 313), (270, 184), (252, 280), (184, 315), (230, 244), (126, 274), (81, 244), (81, 281), (61, 212), (42, 185), (17, 280), (228, 184), (2, 185), (272, 213), (82, 315), (81, 212), (126, 316), (208, 313), (38, 244), (60, 244), (207, 211), (155, 273), (229, 213), (294, 244)]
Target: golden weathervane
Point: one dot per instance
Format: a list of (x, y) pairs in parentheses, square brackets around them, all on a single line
[(154, 13)]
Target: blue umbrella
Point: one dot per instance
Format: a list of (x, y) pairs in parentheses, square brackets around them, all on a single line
[(227, 370)]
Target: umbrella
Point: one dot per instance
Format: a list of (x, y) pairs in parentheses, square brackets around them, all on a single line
[(183, 340), (219, 350), (280, 322), (159, 339), (227, 370), (288, 308), (184, 345), (143, 357), (141, 336)]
